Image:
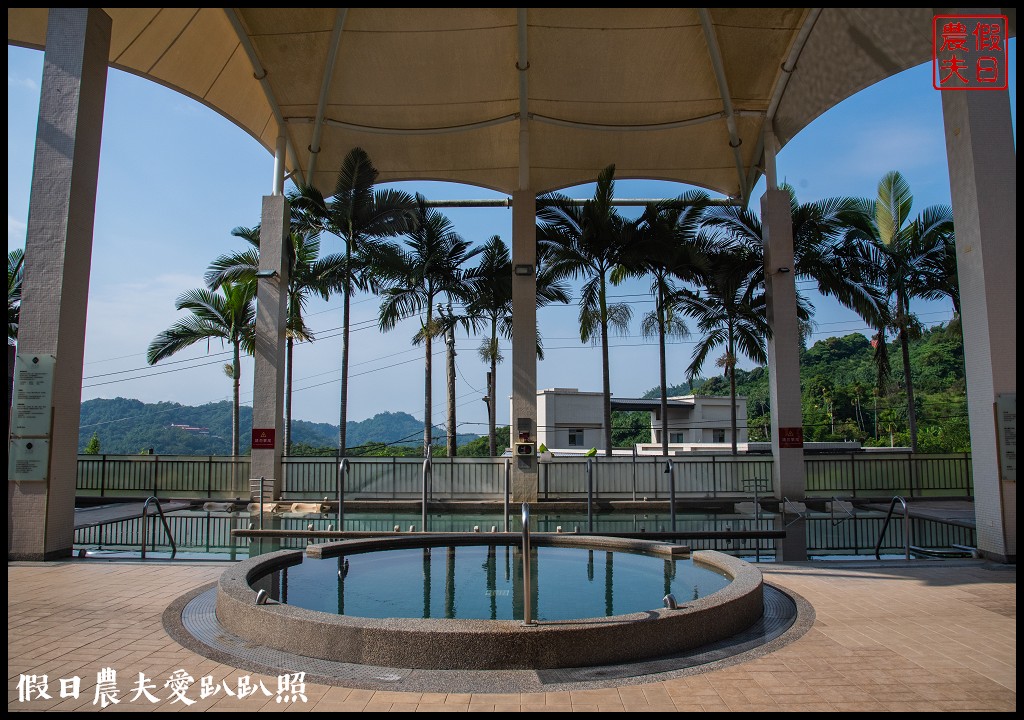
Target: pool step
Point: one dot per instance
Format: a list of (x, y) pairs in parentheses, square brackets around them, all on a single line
[(957, 551)]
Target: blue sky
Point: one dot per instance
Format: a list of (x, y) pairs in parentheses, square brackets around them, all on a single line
[(175, 178)]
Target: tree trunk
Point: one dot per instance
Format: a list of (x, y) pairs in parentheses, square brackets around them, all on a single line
[(345, 323), (606, 374), (427, 397), (909, 383), (731, 369), (664, 381), (492, 392), (452, 425), (492, 431), (289, 346), (236, 373)]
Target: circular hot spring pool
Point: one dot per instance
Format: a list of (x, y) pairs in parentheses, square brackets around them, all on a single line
[(457, 602)]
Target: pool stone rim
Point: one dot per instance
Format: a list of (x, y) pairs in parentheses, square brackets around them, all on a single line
[(440, 643)]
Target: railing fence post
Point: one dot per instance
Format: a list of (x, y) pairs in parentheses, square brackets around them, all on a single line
[(590, 495)]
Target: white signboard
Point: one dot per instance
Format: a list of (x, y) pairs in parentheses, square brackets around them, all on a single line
[(33, 395), (29, 460), (1006, 426)]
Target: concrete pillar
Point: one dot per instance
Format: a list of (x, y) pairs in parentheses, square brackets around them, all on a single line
[(983, 186), (784, 364), (524, 341), (271, 322), (58, 255)]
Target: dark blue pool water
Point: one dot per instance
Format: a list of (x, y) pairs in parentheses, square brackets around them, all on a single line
[(481, 582)]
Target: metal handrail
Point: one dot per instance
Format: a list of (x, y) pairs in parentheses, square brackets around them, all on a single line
[(342, 478), (427, 478), (906, 528), (505, 493), (590, 495), (799, 514), (145, 526), (527, 608), (671, 471), (832, 512)]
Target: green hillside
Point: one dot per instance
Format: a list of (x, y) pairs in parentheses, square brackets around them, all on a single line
[(838, 380), (128, 427)]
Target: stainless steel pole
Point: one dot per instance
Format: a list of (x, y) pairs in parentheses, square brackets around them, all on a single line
[(527, 607)]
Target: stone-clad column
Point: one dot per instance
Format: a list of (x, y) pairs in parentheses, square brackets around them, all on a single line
[(784, 364), (983, 187), (271, 323), (58, 256), (524, 341)]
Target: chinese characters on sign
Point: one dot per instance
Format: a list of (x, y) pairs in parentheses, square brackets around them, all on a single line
[(263, 438), (791, 437), (31, 416), (291, 688), (969, 52)]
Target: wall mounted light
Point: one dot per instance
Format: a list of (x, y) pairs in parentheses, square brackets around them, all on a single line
[(783, 270), (524, 269), (266, 274)]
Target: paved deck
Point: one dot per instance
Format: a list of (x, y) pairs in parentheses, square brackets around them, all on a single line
[(924, 635)]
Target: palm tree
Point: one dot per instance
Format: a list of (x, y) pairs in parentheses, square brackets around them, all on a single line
[(731, 313), (229, 315), (415, 277), (668, 247), (308, 275), (360, 216), (912, 259), (490, 311), (15, 273), (822, 252), (588, 242)]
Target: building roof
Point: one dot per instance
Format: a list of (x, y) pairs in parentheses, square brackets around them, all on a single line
[(646, 403), (445, 94)]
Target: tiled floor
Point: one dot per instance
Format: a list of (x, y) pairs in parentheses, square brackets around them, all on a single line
[(937, 636)]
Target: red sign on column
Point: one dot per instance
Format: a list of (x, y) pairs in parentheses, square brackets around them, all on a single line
[(263, 438), (970, 52), (790, 437)]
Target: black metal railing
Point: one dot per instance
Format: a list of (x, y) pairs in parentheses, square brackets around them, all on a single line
[(615, 478)]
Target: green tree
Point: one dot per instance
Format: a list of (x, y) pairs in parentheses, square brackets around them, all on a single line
[(15, 274), (308, 275), (730, 313), (490, 311), (823, 254), (481, 446), (360, 216), (910, 260), (630, 427), (229, 315), (667, 248), (588, 242), (415, 277), (93, 448)]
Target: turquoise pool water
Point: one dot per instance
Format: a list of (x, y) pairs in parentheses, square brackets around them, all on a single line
[(206, 535), (485, 583)]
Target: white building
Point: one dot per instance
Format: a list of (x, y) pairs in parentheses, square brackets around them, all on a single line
[(568, 419)]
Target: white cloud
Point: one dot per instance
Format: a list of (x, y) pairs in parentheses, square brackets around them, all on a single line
[(16, 228), (25, 83)]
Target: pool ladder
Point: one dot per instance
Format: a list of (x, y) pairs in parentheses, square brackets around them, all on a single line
[(885, 526), (163, 519), (527, 599)]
